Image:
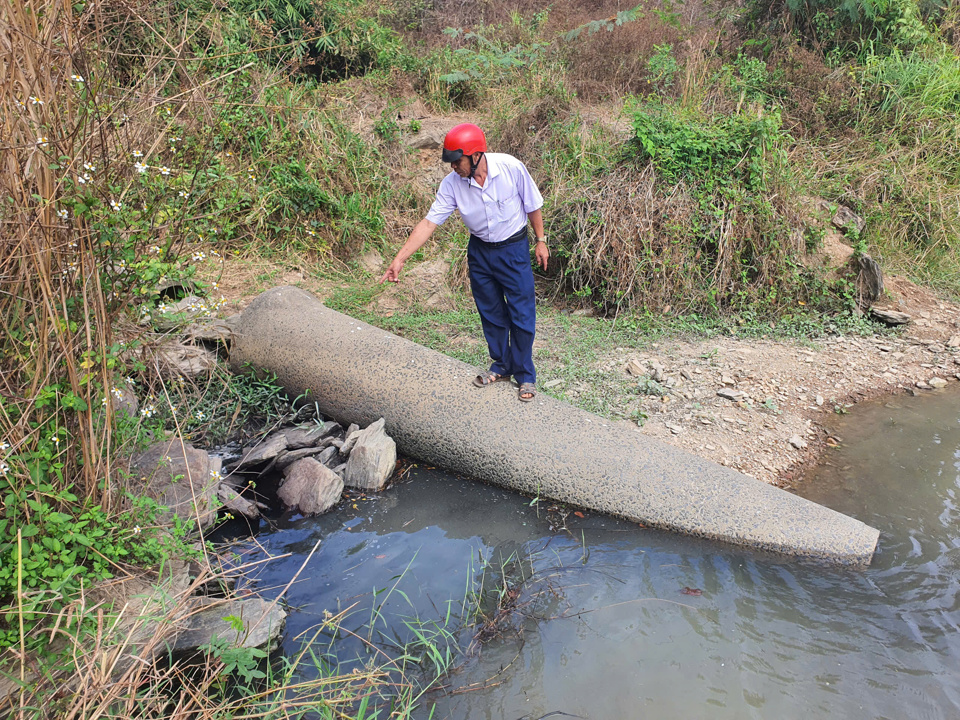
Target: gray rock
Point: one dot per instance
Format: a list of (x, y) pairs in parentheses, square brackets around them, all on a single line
[(869, 279), (954, 342), (309, 435), (847, 219), (176, 358), (263, 451), (181, 478), (263, 622), (891, 317), (289, 457), (349, 443), (327, 455), (123, 399), (372, 460), (210, 330), (310, 487), (236, 503), (937, 382), (636, 368), (731, 394), (798, 442), (426, 139), (656, 371)]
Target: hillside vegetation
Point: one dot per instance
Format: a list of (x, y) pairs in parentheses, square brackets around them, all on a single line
[(691, 157)]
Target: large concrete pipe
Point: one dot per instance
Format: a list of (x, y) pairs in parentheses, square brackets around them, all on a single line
[(359, 373)]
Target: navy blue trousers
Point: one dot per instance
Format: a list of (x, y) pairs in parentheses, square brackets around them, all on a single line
[(502, 282)]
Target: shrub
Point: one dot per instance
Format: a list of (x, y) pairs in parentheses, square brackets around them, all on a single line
[(689, 219)]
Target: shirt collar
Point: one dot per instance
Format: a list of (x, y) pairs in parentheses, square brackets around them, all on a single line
[(493, 169)]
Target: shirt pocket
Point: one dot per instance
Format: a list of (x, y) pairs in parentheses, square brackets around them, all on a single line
[(508, 205)]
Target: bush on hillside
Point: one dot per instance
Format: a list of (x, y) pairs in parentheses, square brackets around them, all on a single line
[(698, 217)]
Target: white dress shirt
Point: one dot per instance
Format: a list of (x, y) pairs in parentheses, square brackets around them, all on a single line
[(495, 211)]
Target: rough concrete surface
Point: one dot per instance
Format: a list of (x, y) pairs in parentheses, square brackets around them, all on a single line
[(359, 373)]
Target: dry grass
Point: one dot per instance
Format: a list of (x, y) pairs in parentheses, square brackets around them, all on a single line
[(48, 268), (122, 667)]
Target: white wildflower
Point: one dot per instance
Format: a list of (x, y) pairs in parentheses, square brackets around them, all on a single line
[(77, 78), (35, 100), (140, 167), (116, 206), (4, 446), (137, 154), (89, 167), (84, 179), (4, 468), (215, 475), (148, 411), (117, 393), (184, 194), (154, 249), (164, 170), (130, 381), (64, 214), (198, 256), (199, 415), (136, 530), (174, 140), (42, 141)]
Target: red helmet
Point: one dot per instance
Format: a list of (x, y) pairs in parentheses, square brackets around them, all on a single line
[(463, 139)]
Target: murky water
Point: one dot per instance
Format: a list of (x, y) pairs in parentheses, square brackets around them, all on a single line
[(606, 620)]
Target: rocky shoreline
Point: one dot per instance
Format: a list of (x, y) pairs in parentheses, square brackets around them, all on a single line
[(762, 406)]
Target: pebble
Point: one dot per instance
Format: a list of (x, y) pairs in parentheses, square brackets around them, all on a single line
[(553, 383), (937, 382), (735, 395), (798, 442)]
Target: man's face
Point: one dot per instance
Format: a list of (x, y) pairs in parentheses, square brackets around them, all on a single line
[(462, 166)]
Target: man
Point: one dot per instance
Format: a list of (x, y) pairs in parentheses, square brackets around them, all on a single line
[(495, 196)]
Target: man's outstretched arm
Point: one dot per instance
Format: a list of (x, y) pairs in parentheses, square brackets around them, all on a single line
[(421, 233)]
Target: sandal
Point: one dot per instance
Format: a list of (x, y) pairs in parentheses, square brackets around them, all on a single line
[(527, 389), (488, 377)]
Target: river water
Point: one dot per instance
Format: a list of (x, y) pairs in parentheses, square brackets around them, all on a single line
[(602, 619)]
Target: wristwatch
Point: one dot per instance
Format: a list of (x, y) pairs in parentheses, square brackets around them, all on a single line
[(542, 239)]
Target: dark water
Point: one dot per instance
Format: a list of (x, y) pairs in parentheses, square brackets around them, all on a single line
[(609, 620)]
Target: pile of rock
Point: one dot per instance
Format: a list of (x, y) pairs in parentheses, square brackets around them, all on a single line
[(318, 459)]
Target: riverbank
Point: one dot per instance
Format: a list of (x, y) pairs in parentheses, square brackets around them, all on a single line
[(755, 404)]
